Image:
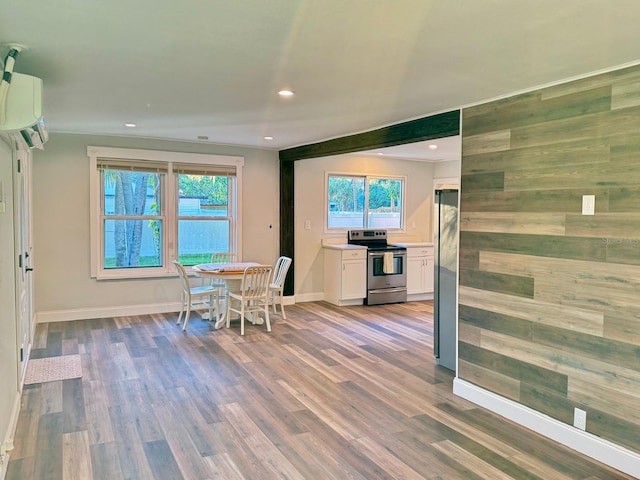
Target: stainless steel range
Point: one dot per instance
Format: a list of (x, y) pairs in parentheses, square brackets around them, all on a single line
[(386, 267)]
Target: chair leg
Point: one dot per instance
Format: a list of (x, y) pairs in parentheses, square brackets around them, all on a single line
[(284, 315), (186, 319), (211, 307), (242, 318), (181, 309), (266, 316)]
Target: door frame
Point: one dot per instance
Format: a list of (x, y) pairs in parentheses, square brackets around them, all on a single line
[(23, 238)]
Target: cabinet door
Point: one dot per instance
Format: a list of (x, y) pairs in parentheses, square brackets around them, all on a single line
[(428, 274), (354, 279), (415, 275)]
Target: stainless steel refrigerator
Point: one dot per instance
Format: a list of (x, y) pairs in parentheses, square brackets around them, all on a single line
[(445, 280)]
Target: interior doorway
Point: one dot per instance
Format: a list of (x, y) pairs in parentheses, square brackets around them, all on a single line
[(24, 250)]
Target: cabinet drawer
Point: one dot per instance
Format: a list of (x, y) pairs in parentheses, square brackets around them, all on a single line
[(420, 252), (354, 254)]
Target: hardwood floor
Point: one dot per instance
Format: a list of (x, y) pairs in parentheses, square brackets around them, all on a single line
[(331, 393)]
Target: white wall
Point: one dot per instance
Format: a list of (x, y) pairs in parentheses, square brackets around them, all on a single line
[(61, 224), (310, 205), (9, 363), (450, 169)]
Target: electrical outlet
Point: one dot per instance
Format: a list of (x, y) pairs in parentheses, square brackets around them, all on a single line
[(307, 224), (580, 419), (588, 205)]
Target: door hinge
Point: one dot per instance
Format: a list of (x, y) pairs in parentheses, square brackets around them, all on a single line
[(19, 166), (21, 354), (20, 260)]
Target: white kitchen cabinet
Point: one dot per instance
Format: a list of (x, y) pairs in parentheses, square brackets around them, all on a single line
[(345, 275), (419, 270)]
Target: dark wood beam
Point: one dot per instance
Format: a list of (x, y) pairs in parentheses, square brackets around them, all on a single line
[(287, 243), (428, 128)]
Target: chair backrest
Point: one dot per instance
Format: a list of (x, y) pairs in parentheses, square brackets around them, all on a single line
[(255, 281), (223, 257), (280, 271), (183, 276)]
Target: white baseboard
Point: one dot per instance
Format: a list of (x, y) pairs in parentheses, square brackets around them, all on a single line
[(8, 436), (309, 297), (105, 312), (586, 443), (119, 311)]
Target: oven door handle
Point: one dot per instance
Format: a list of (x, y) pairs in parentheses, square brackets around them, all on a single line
[(388, 290), (396, 253)]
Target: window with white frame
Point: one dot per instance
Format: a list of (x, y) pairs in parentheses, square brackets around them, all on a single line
[(149, 208), (364, 201)]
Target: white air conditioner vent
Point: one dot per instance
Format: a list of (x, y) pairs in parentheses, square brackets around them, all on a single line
[(24, 111)]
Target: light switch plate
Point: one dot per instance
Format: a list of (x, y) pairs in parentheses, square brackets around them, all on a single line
[(580, 419), (588, 205)]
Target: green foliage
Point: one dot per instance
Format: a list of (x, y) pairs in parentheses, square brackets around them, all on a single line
[(347, 193), (213, 188)]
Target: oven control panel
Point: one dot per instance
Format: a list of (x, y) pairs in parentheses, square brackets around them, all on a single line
[(366, 235)]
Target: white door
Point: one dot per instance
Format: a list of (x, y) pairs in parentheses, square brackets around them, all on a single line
[(23, 231)]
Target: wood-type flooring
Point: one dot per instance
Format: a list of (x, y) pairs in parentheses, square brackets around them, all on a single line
[(331, 393)]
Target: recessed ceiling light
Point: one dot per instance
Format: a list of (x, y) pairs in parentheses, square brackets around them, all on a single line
[(285, 93), (380, 153), (130, 125), (433, 146), (268, 138)]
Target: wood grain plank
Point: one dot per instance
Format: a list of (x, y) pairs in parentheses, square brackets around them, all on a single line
[(519, 286), (551, 246), (580, 320), (495, 141), (461, 456), (535, 201), (271, 458), (568, 154), (514, 222), (161, 460), (222, 466), (589, 369), (76, 456), (482, 182), (497, 382), (493, 355)]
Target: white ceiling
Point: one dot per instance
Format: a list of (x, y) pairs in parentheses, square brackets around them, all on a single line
[(189, 68)]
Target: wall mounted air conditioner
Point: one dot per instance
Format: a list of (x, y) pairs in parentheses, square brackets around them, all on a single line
[(23, 118)]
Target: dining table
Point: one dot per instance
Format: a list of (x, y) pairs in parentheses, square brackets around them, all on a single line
[(230, 275)]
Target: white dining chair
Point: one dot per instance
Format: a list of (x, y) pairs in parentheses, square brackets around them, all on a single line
[(253, 296), (276, 286), (194, 298), (223, 257)]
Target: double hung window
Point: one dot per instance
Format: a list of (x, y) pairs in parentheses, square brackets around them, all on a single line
[(149, 207), (364, 201)]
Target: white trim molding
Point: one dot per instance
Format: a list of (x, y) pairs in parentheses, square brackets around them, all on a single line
[(105, 312), (7, 444), (586, 443), (117, 311)]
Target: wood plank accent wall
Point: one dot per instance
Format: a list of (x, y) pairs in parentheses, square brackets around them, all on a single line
[(549, 311)]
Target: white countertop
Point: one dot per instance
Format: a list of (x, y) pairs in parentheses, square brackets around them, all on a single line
[(413, 244), (345, 246)]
